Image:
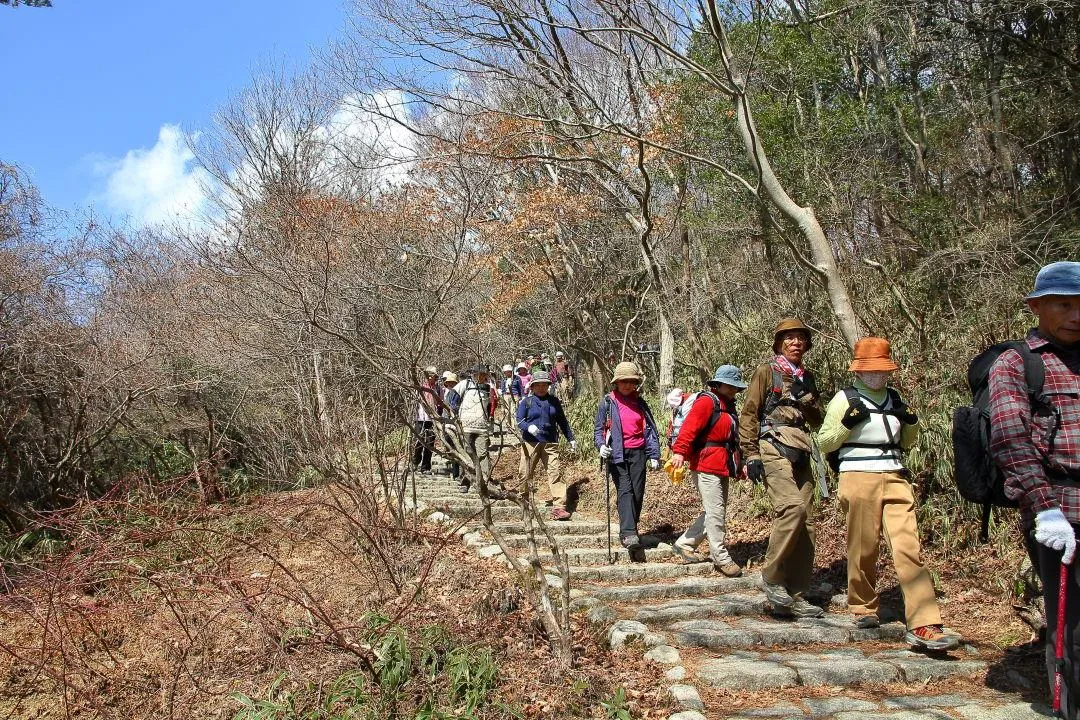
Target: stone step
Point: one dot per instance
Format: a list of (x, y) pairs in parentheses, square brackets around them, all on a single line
[(744, 670), (686, 587), (459, 500), (599, 556), (501, 511), (911, 707), (568, 541), (731, 604), (566, 527), (752, 632), (638, 571)]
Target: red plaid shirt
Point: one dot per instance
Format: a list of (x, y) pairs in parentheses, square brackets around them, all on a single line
[(1018, 441)]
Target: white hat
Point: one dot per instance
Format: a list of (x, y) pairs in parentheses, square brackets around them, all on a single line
[(508, 367), (430, 370), (449, 377), (522, 366), (560, 354)]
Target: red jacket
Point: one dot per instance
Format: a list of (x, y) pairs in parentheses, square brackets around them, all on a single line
[(714, 460)]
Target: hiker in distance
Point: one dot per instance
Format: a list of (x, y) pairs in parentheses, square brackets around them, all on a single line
[(1035, 441), (870, 427), (626, 436), (506, 392), (708, 441), (564, 375), (477, 402), (423, 424), (781, 407), (540, 418), (450, 399)]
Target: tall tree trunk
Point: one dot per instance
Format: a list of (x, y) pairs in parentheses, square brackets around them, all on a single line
[(804, 219), (667, 352)]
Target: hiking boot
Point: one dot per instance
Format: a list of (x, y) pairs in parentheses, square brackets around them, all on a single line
[(867, 622), (729, 569), (800, 608), (687, 554), (463, 488), (632, 543), (778, 595), (560, 513), (931, 637)]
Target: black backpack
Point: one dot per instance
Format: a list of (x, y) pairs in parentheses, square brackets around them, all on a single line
[(978, 478)]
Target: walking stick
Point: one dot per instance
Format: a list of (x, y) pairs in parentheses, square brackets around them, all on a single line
[(607, 504), (1059, 637)]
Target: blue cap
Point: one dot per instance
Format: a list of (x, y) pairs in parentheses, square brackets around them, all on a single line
[(1060, 278), (728, 375)]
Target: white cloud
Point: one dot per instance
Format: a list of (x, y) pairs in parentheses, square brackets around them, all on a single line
[(370, 132), (156, 185)]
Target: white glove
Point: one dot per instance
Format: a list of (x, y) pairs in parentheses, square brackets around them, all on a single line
[(654, 464), (533, 430), (1055, 532), (605, 452), (573, 446)]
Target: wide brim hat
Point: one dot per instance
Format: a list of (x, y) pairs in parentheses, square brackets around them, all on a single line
[(787, 324), (729, 375), (450, 377), (541, 377), (431, 370), (1060, 278), (627, 370), (873, 354)]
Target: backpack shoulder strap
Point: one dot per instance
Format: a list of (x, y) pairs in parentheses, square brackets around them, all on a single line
[(853, 396), (1034, 368), (776, 391)]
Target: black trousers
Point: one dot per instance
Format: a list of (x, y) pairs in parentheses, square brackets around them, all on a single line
[(629, 479), (425, 443), (1048, 563)]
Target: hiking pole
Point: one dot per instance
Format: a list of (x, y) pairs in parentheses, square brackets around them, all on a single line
[(607, 504), (1059, 637)]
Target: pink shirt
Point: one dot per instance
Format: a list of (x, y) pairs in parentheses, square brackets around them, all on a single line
[(632, 419)]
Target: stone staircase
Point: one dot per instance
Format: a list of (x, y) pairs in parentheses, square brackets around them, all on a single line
[(714, 634)]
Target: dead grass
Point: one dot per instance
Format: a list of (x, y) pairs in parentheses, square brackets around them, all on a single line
[(283, 601)]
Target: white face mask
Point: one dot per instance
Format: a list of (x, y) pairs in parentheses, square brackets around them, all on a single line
[(874, 380)]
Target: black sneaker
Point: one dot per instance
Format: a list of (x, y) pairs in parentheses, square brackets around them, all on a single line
[(463, 489)]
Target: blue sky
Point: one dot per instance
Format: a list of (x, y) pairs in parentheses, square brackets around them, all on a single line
[(97, 94)]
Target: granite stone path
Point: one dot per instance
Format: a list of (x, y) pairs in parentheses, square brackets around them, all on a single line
[(713, 632)]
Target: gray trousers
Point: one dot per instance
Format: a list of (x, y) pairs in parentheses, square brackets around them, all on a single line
[(712, 522)]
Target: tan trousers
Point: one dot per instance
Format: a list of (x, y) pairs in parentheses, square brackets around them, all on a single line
[(873, 502), (546, 460), (789, 561)]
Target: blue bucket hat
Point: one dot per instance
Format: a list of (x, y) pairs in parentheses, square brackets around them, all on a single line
[(728, 375), (1060, 278)]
